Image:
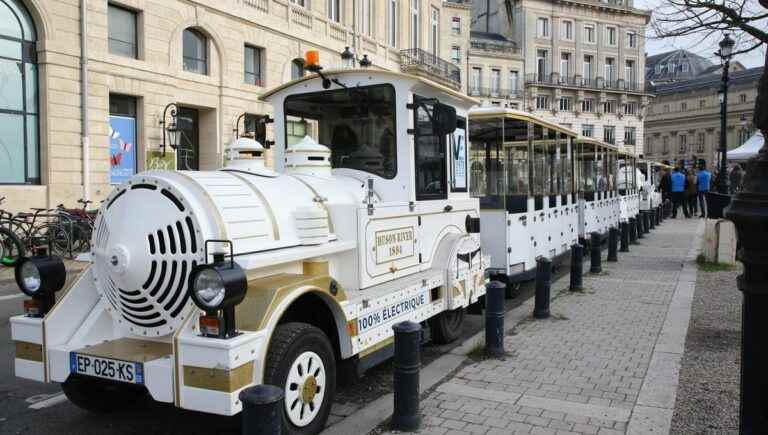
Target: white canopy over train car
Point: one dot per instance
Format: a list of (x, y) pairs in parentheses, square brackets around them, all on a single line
[(748, 148)]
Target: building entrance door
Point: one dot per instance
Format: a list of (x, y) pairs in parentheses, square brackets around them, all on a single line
[(188, 152)]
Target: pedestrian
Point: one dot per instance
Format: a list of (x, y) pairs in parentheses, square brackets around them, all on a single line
[(691, 191), (665, 184), (678, 192), (704, 178), (736, 176)]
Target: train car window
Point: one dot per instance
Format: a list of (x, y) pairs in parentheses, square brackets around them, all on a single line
[(518, 174), (430, 153), (601, 171), (487, 163), (540, 174), (566, 168), (357, 124), (587, 163), (553, 163)]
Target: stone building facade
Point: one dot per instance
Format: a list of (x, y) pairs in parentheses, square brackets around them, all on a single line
[(683, 122), (212, 59)]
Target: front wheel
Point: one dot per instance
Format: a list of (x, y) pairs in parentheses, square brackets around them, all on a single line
[(11, 248), (447, 326), (301, 361)]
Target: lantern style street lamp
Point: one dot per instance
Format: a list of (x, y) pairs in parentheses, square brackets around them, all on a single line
[(725, 53), (347, 59), (172, 129)]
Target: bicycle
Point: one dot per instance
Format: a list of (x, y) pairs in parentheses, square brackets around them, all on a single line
[(11, 248)]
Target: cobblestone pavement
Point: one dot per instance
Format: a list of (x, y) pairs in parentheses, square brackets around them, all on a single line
[(606, 362)]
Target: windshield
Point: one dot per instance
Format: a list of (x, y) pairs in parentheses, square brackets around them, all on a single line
[(357, 124)]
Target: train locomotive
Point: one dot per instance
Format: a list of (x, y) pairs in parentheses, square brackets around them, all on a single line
[(204, 283)]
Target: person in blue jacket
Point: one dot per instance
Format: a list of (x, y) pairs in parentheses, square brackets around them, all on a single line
[(678, 193), (704, 183)]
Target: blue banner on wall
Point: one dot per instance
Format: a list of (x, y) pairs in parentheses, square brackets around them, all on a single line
[(122, 148)]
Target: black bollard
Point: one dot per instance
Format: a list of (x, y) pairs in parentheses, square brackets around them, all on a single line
[(639, 226), (613, 244), (749, 213), (494, 319), (262, 410), (577, 267), (543, 283), (595, 265), (651, 219), (632, 231), (407, 362), (646, 223), (624, 236)]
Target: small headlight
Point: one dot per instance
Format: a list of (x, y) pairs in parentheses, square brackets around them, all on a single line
[(217, 286), (29, 278), (209, 289), (41, 277)]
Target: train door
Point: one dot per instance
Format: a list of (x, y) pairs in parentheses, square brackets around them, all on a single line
[(587, 163), (541, 185), (519, 203), (570, 217)]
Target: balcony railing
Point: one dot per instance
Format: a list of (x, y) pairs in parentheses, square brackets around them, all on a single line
[(555, 79), (418, 60), (507, 94)]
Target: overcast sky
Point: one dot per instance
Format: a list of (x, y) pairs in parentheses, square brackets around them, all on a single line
[(704, 48)]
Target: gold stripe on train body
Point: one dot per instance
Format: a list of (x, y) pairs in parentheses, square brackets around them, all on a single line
[(225, 380), (265, 294), (29, 351)]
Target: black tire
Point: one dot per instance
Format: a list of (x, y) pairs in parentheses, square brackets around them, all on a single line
[(291, 341), (11, 248), (447, 326), (100, 397)]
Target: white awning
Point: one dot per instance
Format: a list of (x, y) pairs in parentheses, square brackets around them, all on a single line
[(748, 148)]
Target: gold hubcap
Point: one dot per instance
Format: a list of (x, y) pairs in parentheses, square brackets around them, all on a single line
[(309, 389)]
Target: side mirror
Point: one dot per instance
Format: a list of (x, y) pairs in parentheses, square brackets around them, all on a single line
[(444, 119)]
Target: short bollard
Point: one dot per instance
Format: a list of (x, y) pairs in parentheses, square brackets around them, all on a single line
[(646, 223), (262, 410), (613, 245), (595, 265), (407, 362), (639, 226), (632, 231), (543, 283), (577, 268), (652, 219), (624, 236), (494, 319)]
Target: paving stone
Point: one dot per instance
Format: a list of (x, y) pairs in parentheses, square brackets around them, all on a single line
[(453, 424)]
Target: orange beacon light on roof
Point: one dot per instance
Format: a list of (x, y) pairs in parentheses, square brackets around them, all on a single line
[(312, 60)]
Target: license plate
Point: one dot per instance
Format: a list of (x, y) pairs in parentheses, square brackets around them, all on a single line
[(107, 368)]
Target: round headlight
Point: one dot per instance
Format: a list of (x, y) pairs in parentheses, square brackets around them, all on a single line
[(209, 289), (29, 278)]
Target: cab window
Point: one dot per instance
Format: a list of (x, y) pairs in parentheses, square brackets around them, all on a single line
[(430, 153)]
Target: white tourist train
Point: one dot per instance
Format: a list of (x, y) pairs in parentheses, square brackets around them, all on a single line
[(204, 283)]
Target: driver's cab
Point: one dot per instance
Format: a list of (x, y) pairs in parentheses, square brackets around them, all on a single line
[(398, 142)]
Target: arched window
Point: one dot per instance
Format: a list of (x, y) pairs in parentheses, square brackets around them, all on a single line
[(19, 144), (297, 68), (195, 52)]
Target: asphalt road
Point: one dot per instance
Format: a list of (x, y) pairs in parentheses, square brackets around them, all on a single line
[(28, 407)]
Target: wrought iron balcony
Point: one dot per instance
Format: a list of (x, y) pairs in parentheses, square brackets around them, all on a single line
[(507, 94), (555, 79), (416, 60)]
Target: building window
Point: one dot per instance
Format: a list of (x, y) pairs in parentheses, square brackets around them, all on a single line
[(542, 102), (456, 54), (456, 25), (609, 134), (477, 80), (415, 23), (513, 81), (630, 108), (609, 106), (610, 36), (683, 144), (19, 143), (566, 104), (589, 34), (648, 146), (588, 130), (302, 3), (542, 27), (588, 105), (701, 142), (122, 31), (742, 98), (629, 135), (610, 69), (629, 71), (683, 106), (122, 135), (195, 52), (541, 64), (666, 108), (702, 104), (565, 65), (434, 31), (392, 22), (567, 30), (297, 68), (665, 145), (334, 10), (364, 17), (253, 65), (631, 39), (587, 70), (495, 82)]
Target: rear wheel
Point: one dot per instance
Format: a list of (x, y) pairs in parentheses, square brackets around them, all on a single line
[(99, 396), (447, 326), (301, 361), (11, 249)]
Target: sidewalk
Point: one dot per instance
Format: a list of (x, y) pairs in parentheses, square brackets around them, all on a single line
[(606, 362)]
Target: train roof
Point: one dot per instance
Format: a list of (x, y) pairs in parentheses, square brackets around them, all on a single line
[(496, 112), (372, 72), (594, 141)]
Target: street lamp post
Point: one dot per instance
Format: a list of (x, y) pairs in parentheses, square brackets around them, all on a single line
[(726, 50), (172, 129)]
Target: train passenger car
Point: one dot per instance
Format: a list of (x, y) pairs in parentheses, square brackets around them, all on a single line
[(631, 182), (522, 170), (204, 283), (599, 198)]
